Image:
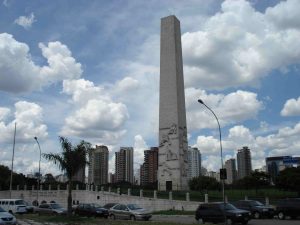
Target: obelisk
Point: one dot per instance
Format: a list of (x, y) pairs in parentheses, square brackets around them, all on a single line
[(173, 146)]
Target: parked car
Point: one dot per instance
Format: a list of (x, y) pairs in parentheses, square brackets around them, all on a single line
[(85, 209), (217, 212), (288, 207), (51, 208), (109, 205), (7, 218), (129, 211), (29, 207), (257, 209), (13, 205)]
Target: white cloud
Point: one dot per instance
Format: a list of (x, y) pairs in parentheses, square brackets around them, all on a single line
[(239, 46), (95, 114), (4, 112), (285, 141), (291, 108), (26, 21), (29, 122), (127, 84), (18, 73), (231, 108), (285, 15)]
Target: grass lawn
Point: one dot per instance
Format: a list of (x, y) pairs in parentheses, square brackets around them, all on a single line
[(76, 220), (174, 212)]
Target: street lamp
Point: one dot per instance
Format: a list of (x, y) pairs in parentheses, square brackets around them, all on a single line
[(39, 176), (223, 175)]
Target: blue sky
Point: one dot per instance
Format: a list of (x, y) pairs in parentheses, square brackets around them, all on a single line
[(90, 70)]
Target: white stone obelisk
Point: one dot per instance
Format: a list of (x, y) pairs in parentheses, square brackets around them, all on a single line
[(173, 146)]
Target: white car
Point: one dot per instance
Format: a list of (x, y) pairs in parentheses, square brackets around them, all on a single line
[(6, 218)]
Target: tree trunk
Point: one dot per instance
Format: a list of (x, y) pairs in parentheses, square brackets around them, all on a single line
[(70, 198)]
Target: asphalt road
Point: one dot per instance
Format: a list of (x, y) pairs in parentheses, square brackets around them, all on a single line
[(191, 220), (186, 220)]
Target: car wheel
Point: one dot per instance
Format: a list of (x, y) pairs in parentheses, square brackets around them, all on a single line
[(245, 222), (229, 221), (281, 216), (256, 215), (113, 217), (132, 218), (201, 221)]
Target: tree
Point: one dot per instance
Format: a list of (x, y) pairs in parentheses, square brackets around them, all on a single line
[(70, 161), (204, 183), (255, 181), (289, 179)]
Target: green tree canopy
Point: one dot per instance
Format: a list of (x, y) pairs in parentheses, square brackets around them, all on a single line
[(289, 179), (204, 183)]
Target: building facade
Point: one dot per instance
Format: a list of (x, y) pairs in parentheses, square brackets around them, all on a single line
[(98, 165), (278, 163), (148, 170), (194, 161), (124, 165), (230, 167), (244, 162)]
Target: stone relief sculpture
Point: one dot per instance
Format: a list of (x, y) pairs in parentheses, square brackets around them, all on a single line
[(173, 129)]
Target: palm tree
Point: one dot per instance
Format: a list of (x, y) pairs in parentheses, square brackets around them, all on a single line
[(70, 161)]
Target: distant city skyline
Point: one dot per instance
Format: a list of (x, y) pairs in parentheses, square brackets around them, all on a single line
[(90, 70)]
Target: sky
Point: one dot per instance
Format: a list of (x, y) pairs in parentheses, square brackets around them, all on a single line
[(89, 70)]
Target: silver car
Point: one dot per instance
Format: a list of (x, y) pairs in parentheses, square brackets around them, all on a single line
[(51, 208), (6, 218), (129, 212)]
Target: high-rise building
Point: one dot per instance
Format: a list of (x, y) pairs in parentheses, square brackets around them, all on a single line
[(244, 162), (80, 175), (148, 170), (111, 178), (124, 165), (98, 165), (231, 171), (194, 161)]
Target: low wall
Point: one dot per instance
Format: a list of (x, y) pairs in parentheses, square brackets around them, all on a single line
[(100, 197)]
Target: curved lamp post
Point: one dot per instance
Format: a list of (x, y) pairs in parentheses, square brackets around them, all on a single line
[(38, 188), (222, 170)]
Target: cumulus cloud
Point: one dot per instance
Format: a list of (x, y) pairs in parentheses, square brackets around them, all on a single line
[(18, 73), (291, 108), (29, 121), (239, 46), (4, 112), (231, 108), (285, 141), (96, 115), (26, 21)]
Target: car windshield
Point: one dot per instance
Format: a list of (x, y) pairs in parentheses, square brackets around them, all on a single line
[(2, 210), (55, 206), (133, 207), (96, 205), (256, 203), (228, 206), (20, 202)]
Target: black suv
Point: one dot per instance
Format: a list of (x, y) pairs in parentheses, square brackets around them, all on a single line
[(257, 209), (216, 213), (288, 207), (84, 209)]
